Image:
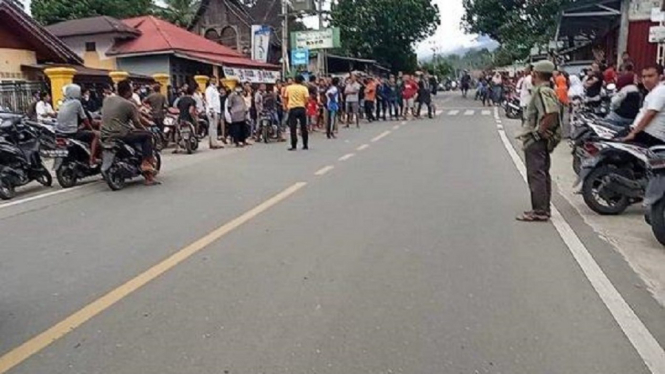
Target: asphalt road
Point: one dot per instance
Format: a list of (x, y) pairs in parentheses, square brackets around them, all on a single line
[(401, 256)]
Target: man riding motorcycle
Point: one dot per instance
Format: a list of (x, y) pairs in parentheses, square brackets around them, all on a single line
[(73, 120), (121, 120)]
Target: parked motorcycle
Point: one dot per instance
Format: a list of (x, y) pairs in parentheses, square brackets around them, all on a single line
[(202, 126), (20, 159), (72, 161), (122, 161), (181, 133), (654, 198), (269, 127), (511, 105), (614, 177), (587, 129)]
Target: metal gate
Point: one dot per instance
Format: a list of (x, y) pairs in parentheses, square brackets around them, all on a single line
[(17, 96)]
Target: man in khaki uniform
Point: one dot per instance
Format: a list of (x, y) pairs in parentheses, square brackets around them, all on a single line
[(542, 133)]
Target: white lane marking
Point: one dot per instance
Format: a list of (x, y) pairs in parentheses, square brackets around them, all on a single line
[(469, 113), (346, 157), (486, 112), (499, 126), (324, 170), (453, 112), (437, 112), (403, 123), (395, 127), (37, 197), (362, 147), (637, 333), (381, 136)]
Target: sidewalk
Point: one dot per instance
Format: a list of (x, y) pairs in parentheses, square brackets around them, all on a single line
[(627, 233)]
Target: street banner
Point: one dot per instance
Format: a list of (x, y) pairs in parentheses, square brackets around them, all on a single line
[(316, 39), (640, 10), (300, 57), (260, 42), (251, 75), (656, 34)]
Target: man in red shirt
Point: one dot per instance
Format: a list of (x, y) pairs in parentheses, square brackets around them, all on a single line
[(409, 95), (610, 74)]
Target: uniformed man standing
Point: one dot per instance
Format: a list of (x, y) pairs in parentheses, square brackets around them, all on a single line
[(542, 133)]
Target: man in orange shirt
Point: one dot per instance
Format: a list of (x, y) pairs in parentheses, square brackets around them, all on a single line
[(561, 89), (370, 98)]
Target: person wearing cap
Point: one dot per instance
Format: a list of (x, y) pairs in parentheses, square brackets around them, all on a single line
[(542, 133)]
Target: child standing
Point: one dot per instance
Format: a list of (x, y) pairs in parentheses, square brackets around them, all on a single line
[(312, 111)]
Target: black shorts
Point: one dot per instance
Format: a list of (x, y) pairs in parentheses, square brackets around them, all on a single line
[(84, 136)]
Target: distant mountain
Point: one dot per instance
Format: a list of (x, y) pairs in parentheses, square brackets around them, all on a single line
[(480, 43)]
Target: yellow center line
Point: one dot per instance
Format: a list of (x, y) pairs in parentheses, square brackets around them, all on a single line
[(69, 324)]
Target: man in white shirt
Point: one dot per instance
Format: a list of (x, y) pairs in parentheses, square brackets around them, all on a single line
[(214, 113), (44, 109), (649, 126), (525, 85)]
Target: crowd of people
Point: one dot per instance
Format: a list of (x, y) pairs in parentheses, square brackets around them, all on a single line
[(234, 116)]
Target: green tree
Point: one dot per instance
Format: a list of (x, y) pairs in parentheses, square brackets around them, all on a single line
[(48, 12), (385, 30), (439, 67), (179, 12), (517, 24)]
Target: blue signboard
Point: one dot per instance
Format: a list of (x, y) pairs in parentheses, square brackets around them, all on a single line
[(300, 56)]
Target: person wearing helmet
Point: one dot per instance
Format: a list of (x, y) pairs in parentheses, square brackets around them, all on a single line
[(542, 133), (73, 120)]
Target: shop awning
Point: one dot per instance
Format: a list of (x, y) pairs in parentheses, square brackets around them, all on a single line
[(587, 20)]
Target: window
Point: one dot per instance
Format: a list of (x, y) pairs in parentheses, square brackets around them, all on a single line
[(90, 47)]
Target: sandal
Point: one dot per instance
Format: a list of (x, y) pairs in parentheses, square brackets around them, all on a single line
[(532, 217)]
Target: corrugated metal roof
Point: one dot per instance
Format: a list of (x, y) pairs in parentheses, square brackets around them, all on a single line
[(92, 26), (640, 50)]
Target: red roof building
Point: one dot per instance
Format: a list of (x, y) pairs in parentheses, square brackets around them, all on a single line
[(157, 46)]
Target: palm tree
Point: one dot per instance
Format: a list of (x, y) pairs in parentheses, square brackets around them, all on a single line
[(180, 12)]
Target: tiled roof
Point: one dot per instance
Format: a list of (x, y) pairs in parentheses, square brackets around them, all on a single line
[(159, 36), (91, 26)]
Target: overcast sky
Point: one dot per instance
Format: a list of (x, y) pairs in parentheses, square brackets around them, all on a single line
[(449, 35)]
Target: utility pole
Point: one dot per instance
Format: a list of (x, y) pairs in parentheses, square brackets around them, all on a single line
[(321, 56), (285, 38)]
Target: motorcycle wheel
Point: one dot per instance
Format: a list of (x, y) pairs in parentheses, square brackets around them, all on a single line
[(265, 134), (577, 163), (7, 190), (45, 178), (617, 204), (115, 179), (159, 142), (657, 218), (188, 145), (66, 176), (158, 160), (195, 143)]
